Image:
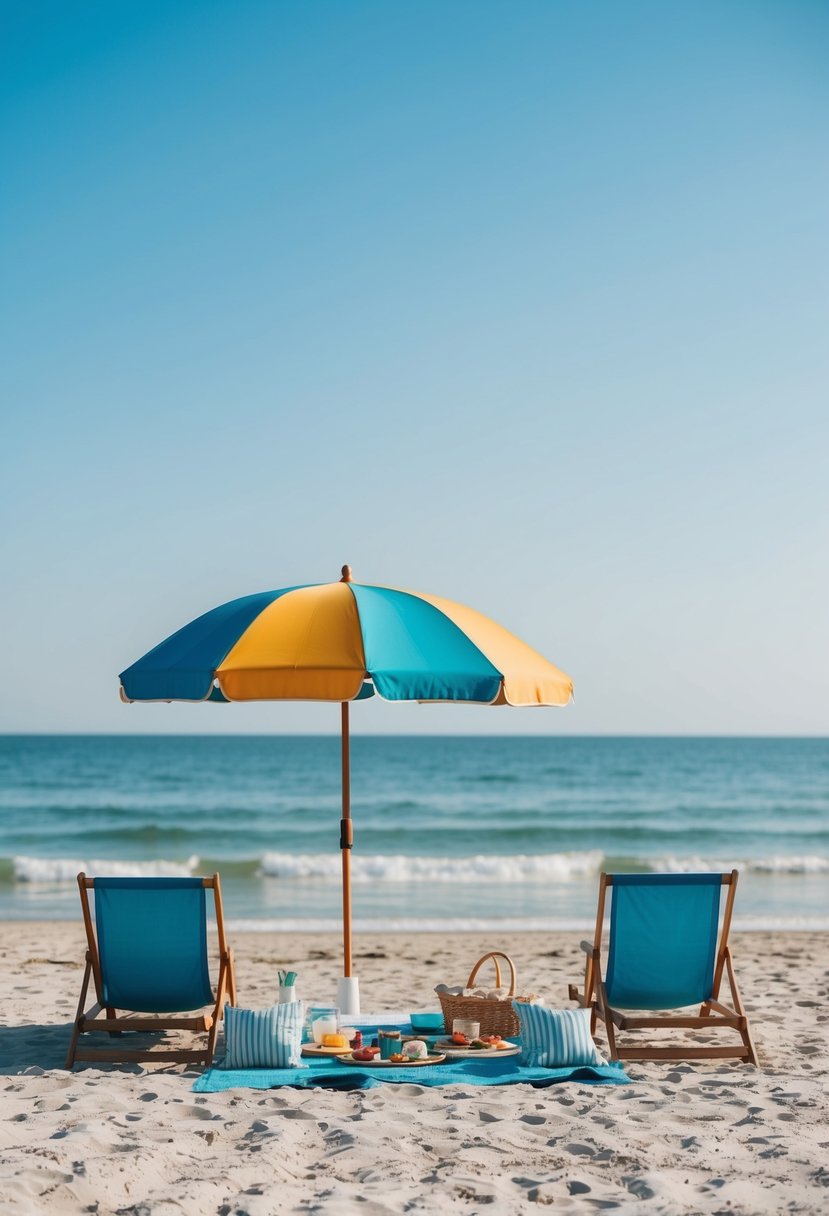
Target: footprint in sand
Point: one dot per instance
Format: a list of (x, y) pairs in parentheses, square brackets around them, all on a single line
[(639, 1188), (198, 1112), (578, 1188)]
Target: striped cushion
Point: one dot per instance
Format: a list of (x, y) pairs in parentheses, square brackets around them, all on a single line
[(556, 1038), (264, 1038)]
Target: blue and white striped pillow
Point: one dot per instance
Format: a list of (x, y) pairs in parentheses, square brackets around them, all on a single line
[(264, 1038), (556, 1038)]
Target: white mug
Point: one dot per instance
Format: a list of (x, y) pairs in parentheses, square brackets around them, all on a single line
[(287, 994)]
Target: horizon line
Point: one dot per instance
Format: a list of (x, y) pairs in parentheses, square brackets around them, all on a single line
[(59, 734)]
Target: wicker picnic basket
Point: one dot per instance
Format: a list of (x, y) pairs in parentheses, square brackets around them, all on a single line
[(495, 1015)]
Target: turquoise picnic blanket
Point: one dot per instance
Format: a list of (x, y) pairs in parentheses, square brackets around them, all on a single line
[(464, 1072), (330, 1074)]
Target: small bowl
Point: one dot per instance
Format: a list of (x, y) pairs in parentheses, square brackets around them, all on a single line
[(427, 1023)]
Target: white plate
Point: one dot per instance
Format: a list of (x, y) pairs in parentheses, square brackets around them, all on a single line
[(378, 1063), (453, 1051)]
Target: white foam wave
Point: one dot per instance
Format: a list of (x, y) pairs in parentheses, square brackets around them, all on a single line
[(529, 924), (389, 868), (397, 868), (66, 869), (410, 924), (754, 865), (790, 865)]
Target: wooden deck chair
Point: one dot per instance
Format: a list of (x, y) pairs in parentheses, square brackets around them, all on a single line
[(663, 953), (147, 954)]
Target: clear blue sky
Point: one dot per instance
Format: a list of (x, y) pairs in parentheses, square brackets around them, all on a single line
[(520, 303)]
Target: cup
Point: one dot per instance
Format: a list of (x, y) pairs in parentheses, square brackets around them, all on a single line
[(287, 994), (465, 1026), (390, 1042), (326, 1021)]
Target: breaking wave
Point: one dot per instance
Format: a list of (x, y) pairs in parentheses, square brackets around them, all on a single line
[(367, 868), (754, 865), (517, 868), (66, 869)]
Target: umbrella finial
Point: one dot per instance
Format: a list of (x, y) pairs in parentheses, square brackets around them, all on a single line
[(346, 578)]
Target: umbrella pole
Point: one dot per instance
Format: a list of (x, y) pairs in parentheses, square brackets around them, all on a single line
[(346, 841)]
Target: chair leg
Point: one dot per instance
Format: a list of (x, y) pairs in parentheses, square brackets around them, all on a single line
[(76, 1029), (225, 978), (751, 1051), (586, 1001), (745, 1035), (231, 969), (211, 1042), (610, 1029), (603, 1009), (112, 1013)]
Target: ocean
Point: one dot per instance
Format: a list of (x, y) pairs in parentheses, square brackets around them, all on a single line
[(451, 832)]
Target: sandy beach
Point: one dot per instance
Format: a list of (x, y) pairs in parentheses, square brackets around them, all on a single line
[(693, 1138)]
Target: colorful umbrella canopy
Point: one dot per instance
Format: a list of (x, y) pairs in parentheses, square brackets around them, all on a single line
[(342, 642)]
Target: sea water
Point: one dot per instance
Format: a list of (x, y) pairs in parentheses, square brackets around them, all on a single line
[(451, 833)]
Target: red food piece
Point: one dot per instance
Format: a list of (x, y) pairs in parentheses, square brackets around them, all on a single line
[(459, 1039)]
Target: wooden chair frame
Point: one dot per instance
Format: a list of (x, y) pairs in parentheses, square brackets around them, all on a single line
[(90, 1022), (713, 1014)]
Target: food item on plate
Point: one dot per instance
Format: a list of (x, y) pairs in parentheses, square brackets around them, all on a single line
[(397, 1058), (365, 1054), (484, 1042), (334, 1040), (460, 1039), (415, 1049)]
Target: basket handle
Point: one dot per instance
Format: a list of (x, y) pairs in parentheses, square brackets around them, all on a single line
[(494, 955)]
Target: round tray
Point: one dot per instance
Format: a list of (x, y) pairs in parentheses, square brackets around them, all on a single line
[(453, 1051), (317, 1049), (378, 1063)]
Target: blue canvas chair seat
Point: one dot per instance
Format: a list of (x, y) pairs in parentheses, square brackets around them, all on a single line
[(663, 954), (147, 954)]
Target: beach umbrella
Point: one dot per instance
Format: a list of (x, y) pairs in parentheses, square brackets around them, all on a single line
[(342, 642)]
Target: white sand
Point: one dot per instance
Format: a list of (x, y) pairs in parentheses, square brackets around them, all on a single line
[(695, 1138)]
